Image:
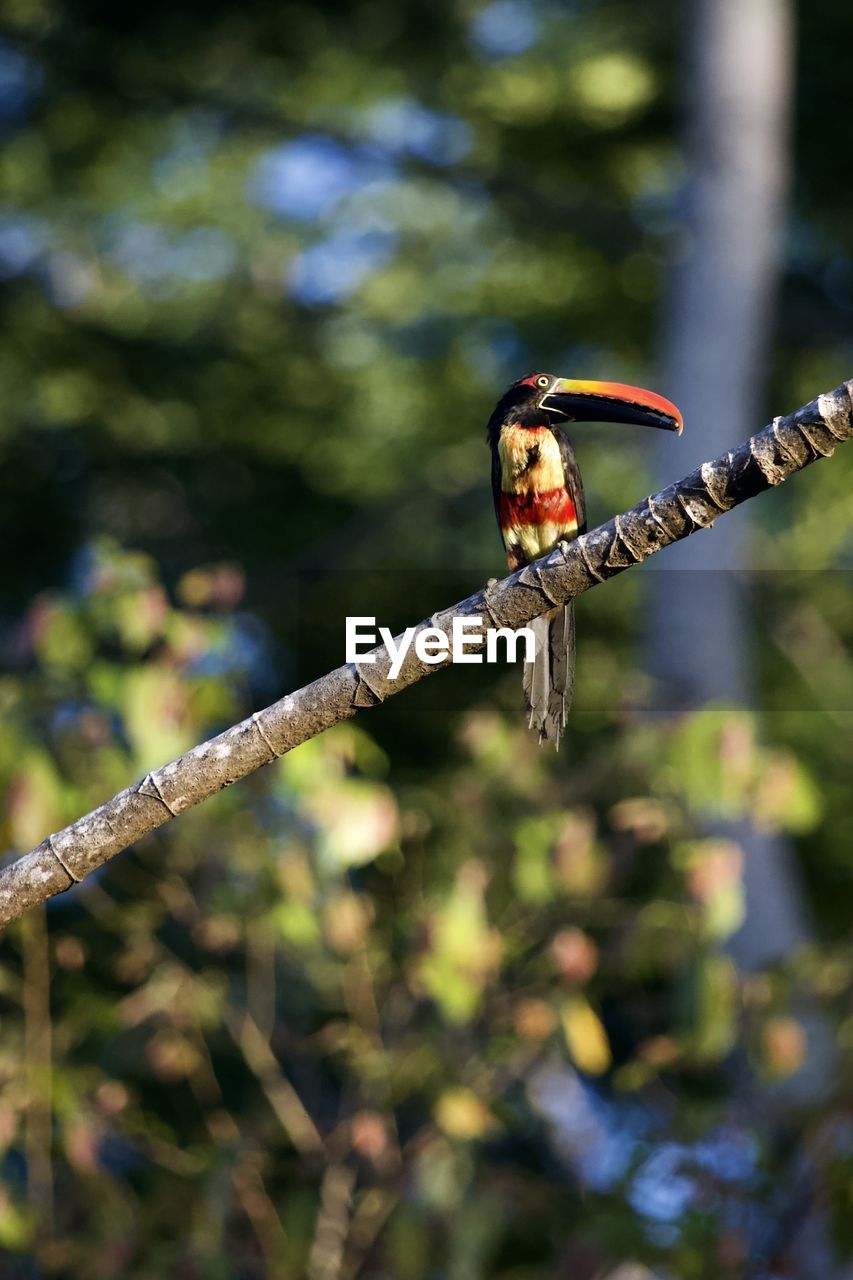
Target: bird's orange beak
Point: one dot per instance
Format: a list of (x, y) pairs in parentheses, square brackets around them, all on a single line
[(610, 402)]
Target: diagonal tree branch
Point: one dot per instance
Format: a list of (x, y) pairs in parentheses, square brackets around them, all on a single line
[(760, 463)]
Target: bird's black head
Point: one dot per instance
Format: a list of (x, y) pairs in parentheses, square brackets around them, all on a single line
[(521, 404)]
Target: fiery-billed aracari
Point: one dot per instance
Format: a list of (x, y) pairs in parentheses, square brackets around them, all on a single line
[(539, 502)]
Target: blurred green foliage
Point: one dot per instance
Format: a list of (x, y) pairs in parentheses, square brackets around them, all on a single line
[(420, 1000), (344, 970)]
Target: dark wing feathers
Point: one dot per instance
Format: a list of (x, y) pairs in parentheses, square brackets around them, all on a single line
[(496, 481), (572, 476)]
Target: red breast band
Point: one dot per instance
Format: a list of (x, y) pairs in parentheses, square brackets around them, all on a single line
[(552, 506)]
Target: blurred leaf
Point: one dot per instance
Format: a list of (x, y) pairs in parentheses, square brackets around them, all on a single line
[(585, 1036), (356, 820), (580, 862), (787, 795), (157, 714), (297, 922), (461, 1114), (715, 1027), (59, 637), (574, 955), (533, 1019), (532, 872), (784, 1046), (713, 756), (464, 951), (347, 918), (714, 874), (409, 1242), (442, 1174), (16, 1229), (34, 801)]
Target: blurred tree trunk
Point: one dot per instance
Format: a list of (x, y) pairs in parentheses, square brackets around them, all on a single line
[(718, 329), (738, 89)]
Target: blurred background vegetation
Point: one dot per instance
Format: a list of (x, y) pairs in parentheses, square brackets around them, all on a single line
[(421, 1000)]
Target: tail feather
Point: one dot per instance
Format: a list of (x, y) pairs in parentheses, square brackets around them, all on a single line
[(549, 679)]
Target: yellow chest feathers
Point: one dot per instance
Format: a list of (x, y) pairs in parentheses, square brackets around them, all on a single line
[(530, 460)]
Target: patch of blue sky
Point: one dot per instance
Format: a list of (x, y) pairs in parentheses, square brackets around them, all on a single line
[(422, 205), (333, 268), (505, 28), (148, 255), (20, 81), (375, 210), (141, 250), (494, 351), (608, 1141), (69, 279), (660, 1190), (66, 717), (180, 175), (85, 568), (597, 1137), (204, 254), (21, 241), (242, 648), (585, 360), (306, 178), (183, 169), (405, 127), (660, 206), (729, 1153)]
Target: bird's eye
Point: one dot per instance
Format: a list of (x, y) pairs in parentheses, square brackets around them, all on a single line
[(543, 381)]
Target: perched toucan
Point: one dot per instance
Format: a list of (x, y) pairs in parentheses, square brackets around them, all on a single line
[(539, 502)]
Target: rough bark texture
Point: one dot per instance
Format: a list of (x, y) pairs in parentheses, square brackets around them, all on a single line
[(763, 461)]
